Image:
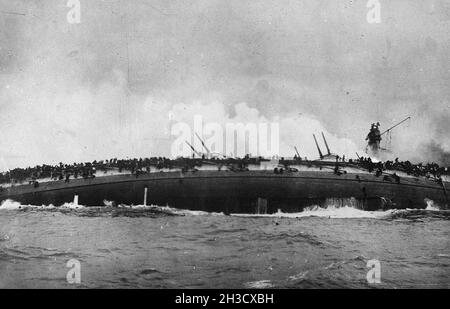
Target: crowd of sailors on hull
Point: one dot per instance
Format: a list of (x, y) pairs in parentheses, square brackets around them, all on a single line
[(138, 166), (134, 166)]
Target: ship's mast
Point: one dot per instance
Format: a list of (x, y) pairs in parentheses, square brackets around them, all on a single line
[(203, 144), (326, 145), (298, 155), (318, 148), (193, 149)]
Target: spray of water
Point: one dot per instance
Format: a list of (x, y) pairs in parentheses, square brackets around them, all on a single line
[(431, 205), (326, 212), (13, 205), (329, 211)]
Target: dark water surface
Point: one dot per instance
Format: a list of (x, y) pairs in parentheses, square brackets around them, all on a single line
[(138, 248)]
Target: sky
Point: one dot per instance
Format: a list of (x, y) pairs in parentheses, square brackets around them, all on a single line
[(114, 84)]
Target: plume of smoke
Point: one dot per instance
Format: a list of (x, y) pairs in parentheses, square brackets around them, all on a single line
[(434, 152), (294, 130), (64, 95), (61, 123)]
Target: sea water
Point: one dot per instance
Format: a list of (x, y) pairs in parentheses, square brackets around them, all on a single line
[(161, 247)]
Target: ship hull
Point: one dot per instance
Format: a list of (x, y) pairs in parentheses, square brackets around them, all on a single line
[(236, 192)]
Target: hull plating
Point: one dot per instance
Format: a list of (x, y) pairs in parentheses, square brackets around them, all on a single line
[(237, 192)]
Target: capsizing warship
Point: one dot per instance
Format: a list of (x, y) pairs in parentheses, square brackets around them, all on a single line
[(240, 185)]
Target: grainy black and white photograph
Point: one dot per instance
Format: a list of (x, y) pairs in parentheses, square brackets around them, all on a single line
[(224, 144)]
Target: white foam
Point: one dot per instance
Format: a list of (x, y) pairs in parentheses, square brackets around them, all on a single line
[(181, 211), (72, 205), (342, 212), (10, 205), (332, 211), (328, 212), (431, 205), (13, 205), (108, 203), (300, 276), (261, 284)]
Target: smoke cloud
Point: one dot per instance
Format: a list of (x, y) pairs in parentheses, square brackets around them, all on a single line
[(113, 85)]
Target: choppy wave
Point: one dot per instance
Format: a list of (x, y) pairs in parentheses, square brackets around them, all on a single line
[(13, 205), (196, 249), (347, 212), (261, 284), (107, 206), (431, 205), (332, 211), (328, 212)]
